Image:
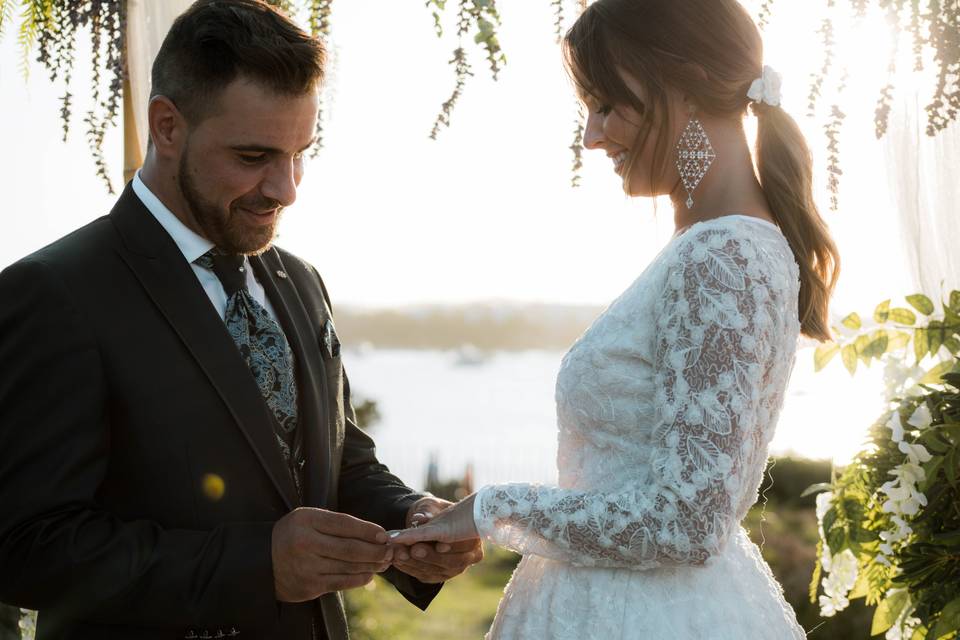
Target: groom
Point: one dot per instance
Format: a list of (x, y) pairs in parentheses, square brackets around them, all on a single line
[(178, 453)]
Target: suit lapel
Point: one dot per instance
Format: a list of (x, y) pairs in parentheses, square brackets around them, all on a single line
[(311, 374), (170, 283)]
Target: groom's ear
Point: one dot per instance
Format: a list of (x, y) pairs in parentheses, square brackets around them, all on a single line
[(167, 126)]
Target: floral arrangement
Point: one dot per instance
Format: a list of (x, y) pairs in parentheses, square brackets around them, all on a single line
[(890, 521)]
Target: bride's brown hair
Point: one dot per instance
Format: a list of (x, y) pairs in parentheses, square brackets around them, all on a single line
[(672, 43)]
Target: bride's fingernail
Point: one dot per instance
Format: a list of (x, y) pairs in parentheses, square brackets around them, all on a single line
[(393, 534)]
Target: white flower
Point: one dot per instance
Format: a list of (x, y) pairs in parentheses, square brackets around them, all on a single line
[(921, 418), (767, 87), (826, 560), (896, 426), (830, 606), (903, 529), (904, 500), (823, 504), (916, 452), (843, 574), (909, 473)]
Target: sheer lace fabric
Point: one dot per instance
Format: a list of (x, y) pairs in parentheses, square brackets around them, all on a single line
[(666, 407)]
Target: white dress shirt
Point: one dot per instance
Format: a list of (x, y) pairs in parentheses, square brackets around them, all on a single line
[(192, 246)]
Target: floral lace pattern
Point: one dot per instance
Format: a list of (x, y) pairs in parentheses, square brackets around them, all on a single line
[(666, 407)]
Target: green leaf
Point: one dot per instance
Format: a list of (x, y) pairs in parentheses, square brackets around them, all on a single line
[(935, 336), (824, 354), (921, 344), (882, 312), (930, 469), (829, 518), (898, 340), (903, 316), (934, 375), (921, 303), (852, 321), (862, 343), (836, 540), (861, 588), (955, 301), (948, 622), (878, 343), (849, 355), (950, 466), (816, 488), (888, 611), (952, 344)]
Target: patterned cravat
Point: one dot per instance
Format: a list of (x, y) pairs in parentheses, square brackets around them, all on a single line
[(265, 349)]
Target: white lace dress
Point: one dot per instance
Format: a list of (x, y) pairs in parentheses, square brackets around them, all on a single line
[(666, 407)]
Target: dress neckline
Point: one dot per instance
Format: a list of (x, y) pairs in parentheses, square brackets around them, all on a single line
[(741, 216)]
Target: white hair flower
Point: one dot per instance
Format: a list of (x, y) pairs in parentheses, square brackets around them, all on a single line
[(766, 88)]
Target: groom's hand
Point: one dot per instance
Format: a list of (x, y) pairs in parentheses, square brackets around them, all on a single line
[(316, 551), (430, 562)]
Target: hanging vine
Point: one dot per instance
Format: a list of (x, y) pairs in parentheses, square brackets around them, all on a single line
[(481, 17), (50, 27), (930, 23)]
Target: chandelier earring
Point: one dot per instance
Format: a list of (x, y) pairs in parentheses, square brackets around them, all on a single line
[(695, 154)]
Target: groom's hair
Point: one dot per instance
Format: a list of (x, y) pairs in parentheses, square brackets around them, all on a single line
[(214, 42)]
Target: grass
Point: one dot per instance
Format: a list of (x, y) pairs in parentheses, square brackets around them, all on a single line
[(465, 607), (463, 610)]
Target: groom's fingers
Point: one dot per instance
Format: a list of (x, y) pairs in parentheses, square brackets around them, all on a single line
[(426, 558), (344, 526)]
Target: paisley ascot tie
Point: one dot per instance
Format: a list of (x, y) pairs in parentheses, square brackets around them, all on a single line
[(266, 351)]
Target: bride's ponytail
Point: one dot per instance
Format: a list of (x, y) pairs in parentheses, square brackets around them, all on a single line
[(785, 168)]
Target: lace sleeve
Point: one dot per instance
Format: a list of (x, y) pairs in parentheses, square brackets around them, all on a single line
[(716, 341)]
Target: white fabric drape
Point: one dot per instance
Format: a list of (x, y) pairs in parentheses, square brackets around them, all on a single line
[(147, 23), (925, 186)]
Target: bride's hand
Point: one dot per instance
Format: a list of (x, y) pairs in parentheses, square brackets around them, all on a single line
[(454, 524)]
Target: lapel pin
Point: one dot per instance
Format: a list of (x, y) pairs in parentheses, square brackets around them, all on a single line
[(281, 274), (330, 342)]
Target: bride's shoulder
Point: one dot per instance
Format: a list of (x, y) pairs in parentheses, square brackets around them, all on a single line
[(735, 244)]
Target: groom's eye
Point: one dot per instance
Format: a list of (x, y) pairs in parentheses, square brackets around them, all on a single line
[(252, 158)]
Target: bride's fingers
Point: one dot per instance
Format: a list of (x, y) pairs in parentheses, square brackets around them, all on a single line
[(414, 535)]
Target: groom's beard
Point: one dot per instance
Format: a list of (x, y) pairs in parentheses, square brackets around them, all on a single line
[(227, 229)]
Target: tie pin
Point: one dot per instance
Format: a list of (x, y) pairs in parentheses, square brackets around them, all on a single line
[(282, 274)]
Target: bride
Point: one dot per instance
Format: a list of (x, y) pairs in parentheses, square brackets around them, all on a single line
[(668, 402)]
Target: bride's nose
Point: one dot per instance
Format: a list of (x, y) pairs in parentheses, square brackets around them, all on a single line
[(593, 137)]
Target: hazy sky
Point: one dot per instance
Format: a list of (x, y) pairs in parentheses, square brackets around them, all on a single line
[(484, 213)]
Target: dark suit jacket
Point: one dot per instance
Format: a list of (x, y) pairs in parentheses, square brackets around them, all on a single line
[(121, 395)]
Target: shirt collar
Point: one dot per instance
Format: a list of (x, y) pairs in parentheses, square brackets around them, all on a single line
[(191, 244)]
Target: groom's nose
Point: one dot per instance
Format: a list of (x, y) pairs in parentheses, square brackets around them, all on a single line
[(281, 182)]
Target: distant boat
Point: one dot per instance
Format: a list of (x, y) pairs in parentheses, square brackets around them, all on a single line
[(469, 356)]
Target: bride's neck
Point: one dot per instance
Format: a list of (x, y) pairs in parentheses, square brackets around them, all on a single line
[(730, 184)]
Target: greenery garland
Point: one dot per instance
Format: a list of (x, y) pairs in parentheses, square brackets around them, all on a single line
[(930, 23), (890, 520), (481, 17), (51, 27)]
